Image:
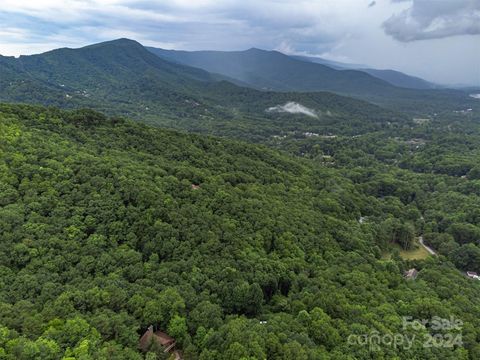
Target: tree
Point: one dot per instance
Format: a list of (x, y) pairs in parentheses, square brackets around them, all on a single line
[(465, 233), (467, 257), (177, 328)]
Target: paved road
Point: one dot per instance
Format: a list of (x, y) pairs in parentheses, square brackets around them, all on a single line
[(428, 248)]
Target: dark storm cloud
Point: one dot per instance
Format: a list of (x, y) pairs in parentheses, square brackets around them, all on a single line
[(434, 19)]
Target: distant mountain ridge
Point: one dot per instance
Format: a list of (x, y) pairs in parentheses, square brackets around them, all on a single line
[(272, 70), (393, 77), (400, 79), (330, 63), (123, 78)]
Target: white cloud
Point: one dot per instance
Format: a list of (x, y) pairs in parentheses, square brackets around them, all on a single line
[(433, 19), (309, 24), (14, 33), (293, 108)]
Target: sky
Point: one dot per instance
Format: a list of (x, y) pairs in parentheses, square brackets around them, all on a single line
[(438, 40)]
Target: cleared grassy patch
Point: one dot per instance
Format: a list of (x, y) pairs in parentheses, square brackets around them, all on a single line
[(418, 252)]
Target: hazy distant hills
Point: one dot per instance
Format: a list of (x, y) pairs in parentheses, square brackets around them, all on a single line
[(330, 63), (393, 77), (400, 79), (272, 70)]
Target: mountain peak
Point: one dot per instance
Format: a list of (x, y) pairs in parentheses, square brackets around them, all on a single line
[(266, 53), (254, 49), (122, 42), (262, 51)]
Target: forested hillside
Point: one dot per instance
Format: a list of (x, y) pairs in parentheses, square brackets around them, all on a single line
[(236, 250), (118, 76), (393, 77), (272, 70), (275, 71), (432, 163), (122, 78)]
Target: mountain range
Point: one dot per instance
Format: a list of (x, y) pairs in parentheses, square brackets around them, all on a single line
[(123, 78), (200, 90), (272, 70), (393, 77)]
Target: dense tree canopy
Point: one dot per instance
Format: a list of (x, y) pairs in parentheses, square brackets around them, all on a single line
[(238, 251)]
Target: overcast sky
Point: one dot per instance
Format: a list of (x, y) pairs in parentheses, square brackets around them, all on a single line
[(438, 40)]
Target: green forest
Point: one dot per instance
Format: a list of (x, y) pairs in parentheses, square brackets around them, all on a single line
[(237, 250), (145, 194)]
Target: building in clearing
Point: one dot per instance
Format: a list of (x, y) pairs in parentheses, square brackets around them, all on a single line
[(152, 338), (411, 274), (473, 275)]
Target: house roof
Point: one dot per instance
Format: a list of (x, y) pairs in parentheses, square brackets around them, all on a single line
[(411, 273), (158, 337), (163, 338)]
